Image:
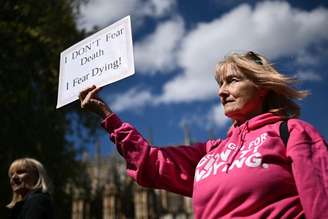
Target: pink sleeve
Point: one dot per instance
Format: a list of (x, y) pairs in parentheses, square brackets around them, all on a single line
[(169, 168), (309, 155)]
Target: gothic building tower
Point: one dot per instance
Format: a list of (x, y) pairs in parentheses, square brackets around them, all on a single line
[(113, 195)]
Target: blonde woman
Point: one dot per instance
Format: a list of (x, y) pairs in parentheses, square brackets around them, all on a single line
[(259, 170), (30, 188)]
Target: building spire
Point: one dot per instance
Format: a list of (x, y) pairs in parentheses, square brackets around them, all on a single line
[(187, 135)]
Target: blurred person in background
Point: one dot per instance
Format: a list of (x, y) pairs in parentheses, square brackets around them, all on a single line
[(30, 190), (270, 165)]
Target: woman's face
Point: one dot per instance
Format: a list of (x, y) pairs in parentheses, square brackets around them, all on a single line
[(22, 180), (240, 98)]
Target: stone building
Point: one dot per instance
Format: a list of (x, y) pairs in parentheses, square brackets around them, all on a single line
[(112, 194)]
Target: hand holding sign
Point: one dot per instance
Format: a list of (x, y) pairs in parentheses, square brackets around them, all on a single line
[(102, 58), (92, 102)]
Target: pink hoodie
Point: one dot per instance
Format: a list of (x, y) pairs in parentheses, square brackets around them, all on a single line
[(250, 174)]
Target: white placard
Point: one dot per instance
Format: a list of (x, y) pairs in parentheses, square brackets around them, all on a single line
[(100, 59)]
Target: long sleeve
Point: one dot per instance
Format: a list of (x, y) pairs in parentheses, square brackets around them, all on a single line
[(308, 153), (169, 168)]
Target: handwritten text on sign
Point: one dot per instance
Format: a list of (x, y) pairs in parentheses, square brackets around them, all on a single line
[(103, 58)]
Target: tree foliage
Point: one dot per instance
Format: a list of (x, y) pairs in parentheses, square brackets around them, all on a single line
[(32, 35)]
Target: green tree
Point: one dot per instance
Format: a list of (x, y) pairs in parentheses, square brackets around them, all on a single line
[(32, 35)]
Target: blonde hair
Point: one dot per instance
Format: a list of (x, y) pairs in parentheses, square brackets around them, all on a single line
[(281, 93), (36, 168)]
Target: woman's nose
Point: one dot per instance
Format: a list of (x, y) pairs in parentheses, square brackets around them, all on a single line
[(14, 176), (223, 91)]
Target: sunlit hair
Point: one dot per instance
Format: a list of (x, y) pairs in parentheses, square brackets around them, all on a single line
[(281, 93), (36, 169)]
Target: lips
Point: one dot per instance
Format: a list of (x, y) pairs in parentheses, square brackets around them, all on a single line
[(16, 184), (224, 102)]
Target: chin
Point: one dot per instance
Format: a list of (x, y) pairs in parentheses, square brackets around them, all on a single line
[(229, 113), (233, 116), (15, 189)]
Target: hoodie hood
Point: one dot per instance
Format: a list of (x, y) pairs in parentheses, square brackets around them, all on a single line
[(254, 123)]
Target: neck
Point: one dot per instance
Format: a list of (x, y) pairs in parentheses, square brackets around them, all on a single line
[(243, 119)]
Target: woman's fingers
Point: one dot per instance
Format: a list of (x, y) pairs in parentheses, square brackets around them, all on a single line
[(85, 92), (89, 97), (94, 92), (90, 101)]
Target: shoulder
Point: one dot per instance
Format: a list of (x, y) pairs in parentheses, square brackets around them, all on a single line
[(38, 201), (302, 128), (304, 138), (38, 197)]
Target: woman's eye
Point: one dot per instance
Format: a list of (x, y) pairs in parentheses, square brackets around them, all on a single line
[(232, 80), (20, 171), (219, 83)]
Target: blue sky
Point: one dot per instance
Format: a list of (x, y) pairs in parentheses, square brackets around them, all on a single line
[(177, 44)]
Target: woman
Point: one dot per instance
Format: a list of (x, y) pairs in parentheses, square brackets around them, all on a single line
[(30, 186), (249, 174)]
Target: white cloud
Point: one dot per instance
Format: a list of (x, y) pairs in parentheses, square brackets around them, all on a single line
[(216, 116), (272, 28), (156, 8), (306, 58), (101, 13), (131, 100), (157, 51), (308, 76)]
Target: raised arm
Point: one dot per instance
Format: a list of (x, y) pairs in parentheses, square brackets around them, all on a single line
[(171, 168)]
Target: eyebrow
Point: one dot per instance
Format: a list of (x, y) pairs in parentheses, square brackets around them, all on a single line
[(15, 169), (228, 77)]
